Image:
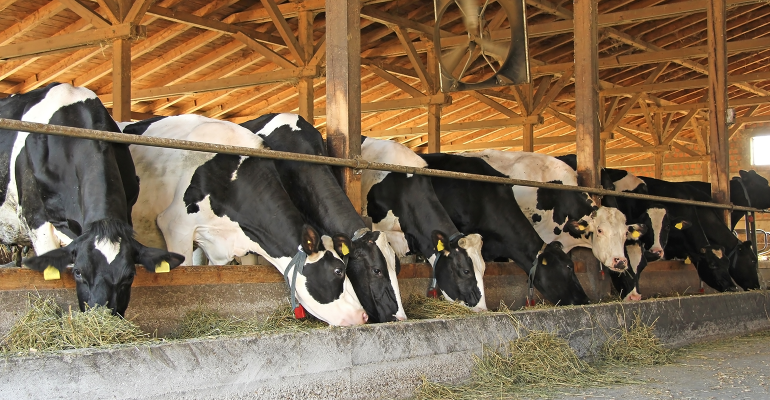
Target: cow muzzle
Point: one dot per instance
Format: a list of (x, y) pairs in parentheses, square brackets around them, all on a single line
[(657, 251), (618, 264)]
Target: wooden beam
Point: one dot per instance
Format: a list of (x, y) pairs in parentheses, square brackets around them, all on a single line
[(419, 68), (651, 161), (635, 150), (739, 124), (631, 136), (399, 104), (265, 51), (137, 11), (283, 29), (434, 110), (493, 104), (459, 126), (390, 20), (306, 93), (86, 13), (586, 83), (679, 126), (501, 144), (561, 117), (555, 90), (630, 103), (658, 165), (343, 89), (394, 81), (121, 80), (218, 84), (72, 41), (112, 10), (719, 167)]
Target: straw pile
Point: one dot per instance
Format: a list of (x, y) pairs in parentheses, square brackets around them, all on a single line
[(536, 365), (636, 345), (203, 322), (421, 307), (46, 327)]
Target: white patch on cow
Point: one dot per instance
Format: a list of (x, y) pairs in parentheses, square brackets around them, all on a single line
[(634, 256), (278, 121), (13, 228), (717, 253), (656, 218), (392, 230), (633, 296), (165, 175), (606, 246), (384, 151), (235, 173), (390, 257), (628, 183), (472, 245), (108, 248)]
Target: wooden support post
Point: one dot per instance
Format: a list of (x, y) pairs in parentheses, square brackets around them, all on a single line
[(343, 89), (658, 165), (434, 110), (718, 137), (305, 85), (586, 85), (121, 80)]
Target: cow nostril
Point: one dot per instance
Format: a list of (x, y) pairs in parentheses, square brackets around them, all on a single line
[(365, 317)]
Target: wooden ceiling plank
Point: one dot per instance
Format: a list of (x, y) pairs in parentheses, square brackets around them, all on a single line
[(561, 117), (30, 22), (394, 81), (685, 150), (137, 11), (177, 75), (110, 7), (284, 30), (86, 13), (631, 136), (266, 52), (493, 104), (389, 20)]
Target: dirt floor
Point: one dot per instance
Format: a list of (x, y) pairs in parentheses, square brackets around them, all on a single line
[(731, 369)]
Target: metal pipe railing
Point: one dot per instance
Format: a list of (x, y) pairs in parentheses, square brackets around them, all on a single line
[(356, 163)]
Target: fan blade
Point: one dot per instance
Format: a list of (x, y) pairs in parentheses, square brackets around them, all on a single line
[(498, 50), (470, 11), (452, 57)]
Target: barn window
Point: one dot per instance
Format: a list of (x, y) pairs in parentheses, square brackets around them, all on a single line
[(760, 150)]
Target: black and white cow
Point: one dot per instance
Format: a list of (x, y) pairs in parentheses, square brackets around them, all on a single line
[(372, 264), (749, 189), (71, 199), (709, 258), (231, 206), (570, 217), (491, 210), (405, 207)]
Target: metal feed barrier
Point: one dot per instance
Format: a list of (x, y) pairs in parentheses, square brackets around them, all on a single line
[(355, 163)]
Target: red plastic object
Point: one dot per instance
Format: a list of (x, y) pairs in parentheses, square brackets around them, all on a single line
[(751, 218), (602, 278), (299, 312), (701, 290), (433, 293)]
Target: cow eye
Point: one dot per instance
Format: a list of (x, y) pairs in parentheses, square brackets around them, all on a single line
[(467, 272), (377, 272), (599, 231), (77, 274), (338, 272)]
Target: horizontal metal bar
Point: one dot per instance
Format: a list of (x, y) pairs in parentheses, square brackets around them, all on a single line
[(355, 163)]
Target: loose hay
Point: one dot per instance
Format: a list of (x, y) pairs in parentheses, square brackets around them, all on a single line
[(536, 365), (203, 322), (46, 327), (636, 345), (421, 307)]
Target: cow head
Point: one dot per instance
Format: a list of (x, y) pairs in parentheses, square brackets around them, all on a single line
[(757, 188), (714, 268), (555, 277), (322, 287), (460, 269), (608, 231), (372, 269), (103, 263), (743, 266), (660, 223)]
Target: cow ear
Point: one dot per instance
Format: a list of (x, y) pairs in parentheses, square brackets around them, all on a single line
[(636, 231), (342, 245), (439, 241), (155, 260), (58, 259), (576, 228), (744, 174), (680, 224), (748, 243), (310, 240)]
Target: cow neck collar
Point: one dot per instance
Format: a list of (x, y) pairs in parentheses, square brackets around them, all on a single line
[(433, 282), (745, 192), (531, 276), (297, 264), (732, 256)]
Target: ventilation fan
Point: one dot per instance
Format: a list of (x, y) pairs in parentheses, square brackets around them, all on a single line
[(487, 49)]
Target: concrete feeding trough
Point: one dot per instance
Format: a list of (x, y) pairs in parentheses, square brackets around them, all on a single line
[(365, 362)]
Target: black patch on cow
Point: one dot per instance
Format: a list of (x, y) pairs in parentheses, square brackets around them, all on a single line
[(556, 231), (569, 159), (536, 218), (256, 125), (322, 283), (138, 128), (213, 176)]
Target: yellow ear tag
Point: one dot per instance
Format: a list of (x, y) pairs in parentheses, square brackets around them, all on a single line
[(345, 249), (688, 261), (636, 235), (581, 227), (440, 246), (51, 273), (544, 262), (162, 267), (679, 226)]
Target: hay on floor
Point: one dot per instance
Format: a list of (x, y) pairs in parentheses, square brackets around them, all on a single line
[(421, 307), (636, 345)]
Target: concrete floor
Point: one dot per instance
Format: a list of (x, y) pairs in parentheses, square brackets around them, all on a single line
[(731, 369)]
